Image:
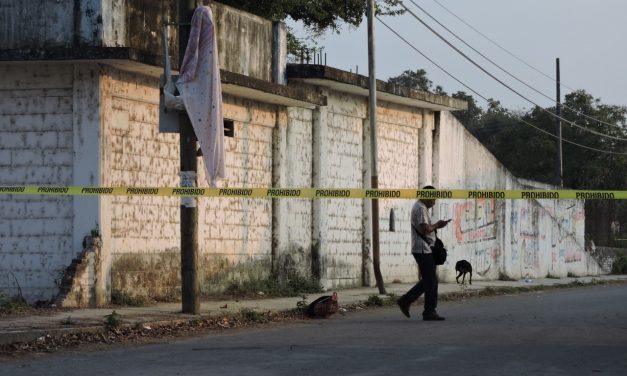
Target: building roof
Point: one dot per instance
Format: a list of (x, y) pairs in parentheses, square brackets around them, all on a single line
[(336, 79)]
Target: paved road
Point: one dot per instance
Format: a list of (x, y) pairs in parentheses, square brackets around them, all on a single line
[(579, 331)]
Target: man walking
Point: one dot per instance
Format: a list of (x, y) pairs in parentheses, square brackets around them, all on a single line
[(422, 237)]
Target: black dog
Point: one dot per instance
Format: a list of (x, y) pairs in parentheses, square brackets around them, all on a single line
[(463, 267)]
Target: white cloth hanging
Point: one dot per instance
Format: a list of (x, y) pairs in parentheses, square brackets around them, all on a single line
[(200, 87)]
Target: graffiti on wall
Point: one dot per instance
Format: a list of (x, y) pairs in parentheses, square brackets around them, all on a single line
[(475, 220), (484, 258)]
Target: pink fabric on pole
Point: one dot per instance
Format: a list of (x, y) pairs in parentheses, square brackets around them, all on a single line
[(200, 87)]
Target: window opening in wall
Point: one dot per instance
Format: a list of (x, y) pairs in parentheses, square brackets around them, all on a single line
[(229, 128)]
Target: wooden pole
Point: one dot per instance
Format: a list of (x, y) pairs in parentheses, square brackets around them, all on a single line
[(374, 183), (558, 111), (190, 284)]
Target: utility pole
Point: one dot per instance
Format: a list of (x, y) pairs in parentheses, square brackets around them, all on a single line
[(190, 284), (374, 184), (558, 112)]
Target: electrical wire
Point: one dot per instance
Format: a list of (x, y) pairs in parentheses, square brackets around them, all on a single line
[(501, 47), (507, 72), (503, 83), (487, 100)]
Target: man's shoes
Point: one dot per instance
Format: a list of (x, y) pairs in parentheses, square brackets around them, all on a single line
[(432, 317), (404, 306)]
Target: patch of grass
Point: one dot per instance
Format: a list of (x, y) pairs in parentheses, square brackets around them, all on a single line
[(619, 266), (374, 301), (10, 305), (271, 287), (125, 299), (252, 315), (112, 321), (552, 276), (571, 275), (378, 301)]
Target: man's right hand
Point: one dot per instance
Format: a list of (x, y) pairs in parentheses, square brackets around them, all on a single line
[(442, 223)]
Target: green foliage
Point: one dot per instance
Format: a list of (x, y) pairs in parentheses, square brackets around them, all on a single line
[(374, 300), (10, 305), (416, 80), (619, 266), (471, 117), (378, 301), (124, 299), (295, 285), (318, 16), (112, 321), (252, 315)]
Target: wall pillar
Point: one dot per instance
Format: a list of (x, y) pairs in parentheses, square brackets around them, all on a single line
[(279, 53), (320, 166), (86, 167), (425, 150)]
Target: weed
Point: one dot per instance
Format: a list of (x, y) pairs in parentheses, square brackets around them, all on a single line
[(12, 305), (252, 315), (374, 300), (125, 299), (112, 321), (552, 276), (571, 275), (271, 287), (619, 266)]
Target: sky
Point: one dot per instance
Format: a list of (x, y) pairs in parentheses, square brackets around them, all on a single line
[(588, 36)]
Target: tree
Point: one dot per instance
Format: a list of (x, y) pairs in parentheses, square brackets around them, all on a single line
[(470, 118), (318, 16), (416, 80)]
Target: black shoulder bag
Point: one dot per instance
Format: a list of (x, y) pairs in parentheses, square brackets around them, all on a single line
[(439, 252)]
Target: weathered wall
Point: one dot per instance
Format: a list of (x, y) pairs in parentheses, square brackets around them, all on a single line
[(45, 139), (236, 234), (338, 163), (292, 218), (245, 41), (92, 124), (399, 136), (143, 232), (513, 238)]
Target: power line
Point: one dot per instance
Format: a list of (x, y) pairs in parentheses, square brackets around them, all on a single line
[(506, 71), (503, 83), (501, 47), (484, 98)]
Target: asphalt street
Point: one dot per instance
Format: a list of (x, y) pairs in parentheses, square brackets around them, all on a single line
[(580, 331)]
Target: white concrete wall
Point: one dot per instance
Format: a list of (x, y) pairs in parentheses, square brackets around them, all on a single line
[(513, 238), (399, 140), (235, 235), (91, 124), (49, 125), (292, 168), (338, 163)]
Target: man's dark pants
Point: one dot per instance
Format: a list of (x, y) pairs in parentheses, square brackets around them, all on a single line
[(428, 284)]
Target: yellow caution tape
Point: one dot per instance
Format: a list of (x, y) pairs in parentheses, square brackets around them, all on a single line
[(323, 193)]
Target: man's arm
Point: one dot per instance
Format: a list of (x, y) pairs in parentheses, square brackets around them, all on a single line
[(426, 228)]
